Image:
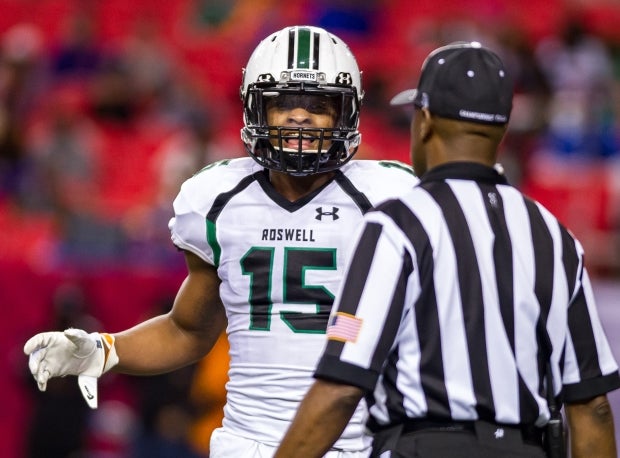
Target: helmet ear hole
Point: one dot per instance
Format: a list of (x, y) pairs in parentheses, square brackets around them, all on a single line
[(309, 62)]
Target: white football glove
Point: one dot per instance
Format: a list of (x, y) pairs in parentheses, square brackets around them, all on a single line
[(72, 352)]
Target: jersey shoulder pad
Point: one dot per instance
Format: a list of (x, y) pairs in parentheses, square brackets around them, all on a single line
[(381, 169), (196, 198), (219, 176), (380, 180)]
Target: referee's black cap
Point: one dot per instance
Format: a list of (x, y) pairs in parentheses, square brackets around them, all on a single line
[(463, 81)]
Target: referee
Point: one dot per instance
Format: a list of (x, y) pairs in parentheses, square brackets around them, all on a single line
[(467, 312)]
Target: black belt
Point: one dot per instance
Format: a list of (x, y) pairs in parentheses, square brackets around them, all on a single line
[(529, 433)]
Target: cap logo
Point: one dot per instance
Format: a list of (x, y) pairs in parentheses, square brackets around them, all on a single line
[(470, 73), (486, 117)]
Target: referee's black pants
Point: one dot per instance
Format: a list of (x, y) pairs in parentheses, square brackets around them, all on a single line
[(457, 440)]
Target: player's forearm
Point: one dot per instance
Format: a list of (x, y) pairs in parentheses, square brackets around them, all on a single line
[(320, 420), (591, 429), (156, 346)]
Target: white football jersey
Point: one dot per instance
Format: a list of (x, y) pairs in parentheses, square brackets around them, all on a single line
[(280, 263)]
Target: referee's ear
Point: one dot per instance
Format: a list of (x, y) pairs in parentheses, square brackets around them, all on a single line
[(426, 124)]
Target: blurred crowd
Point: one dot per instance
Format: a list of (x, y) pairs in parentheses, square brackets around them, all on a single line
[(103, 116), (98, 130)]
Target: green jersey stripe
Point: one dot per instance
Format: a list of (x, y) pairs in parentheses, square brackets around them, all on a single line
[(212, 241)]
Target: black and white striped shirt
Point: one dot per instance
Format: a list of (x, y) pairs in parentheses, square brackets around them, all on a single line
[(449, 298)]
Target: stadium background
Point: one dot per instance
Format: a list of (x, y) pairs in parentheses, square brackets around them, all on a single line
[(105, 107)]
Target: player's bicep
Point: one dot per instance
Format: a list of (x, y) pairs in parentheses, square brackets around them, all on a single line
[(197, 308)]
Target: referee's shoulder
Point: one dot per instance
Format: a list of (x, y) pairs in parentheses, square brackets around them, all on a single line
[(414, 207)]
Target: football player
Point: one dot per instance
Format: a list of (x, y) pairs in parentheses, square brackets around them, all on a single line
[(265, 240)]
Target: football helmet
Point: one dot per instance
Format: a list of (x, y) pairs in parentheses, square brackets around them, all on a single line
[(301, 66)]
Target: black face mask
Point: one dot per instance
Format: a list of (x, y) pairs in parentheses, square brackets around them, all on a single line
[(267, 144)]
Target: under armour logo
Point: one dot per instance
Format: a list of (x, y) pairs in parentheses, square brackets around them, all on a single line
[(265, 78), (321, 213), (344, 78), (499, 433)]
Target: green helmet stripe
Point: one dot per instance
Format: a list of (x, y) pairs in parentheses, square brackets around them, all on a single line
[(303, 48)]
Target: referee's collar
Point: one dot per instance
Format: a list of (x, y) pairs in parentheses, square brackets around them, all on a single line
[(465, 171)]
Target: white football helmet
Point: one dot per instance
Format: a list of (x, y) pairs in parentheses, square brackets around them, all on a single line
[(298, 62)]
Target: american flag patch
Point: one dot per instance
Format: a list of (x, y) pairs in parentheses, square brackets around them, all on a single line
[(343, 327)]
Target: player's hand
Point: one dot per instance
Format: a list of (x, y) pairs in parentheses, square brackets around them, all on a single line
[(72, 352)]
